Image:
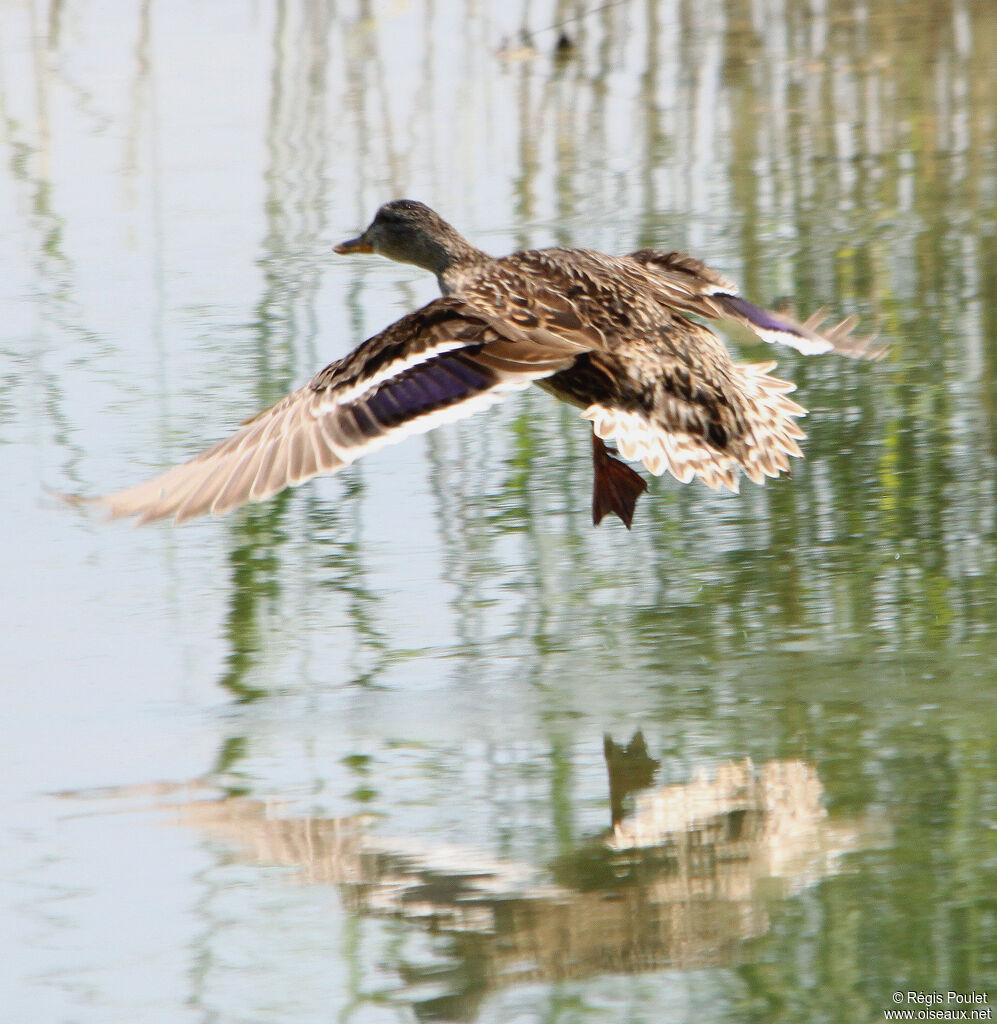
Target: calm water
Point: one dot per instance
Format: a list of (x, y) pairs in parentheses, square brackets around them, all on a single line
[(355, 754)]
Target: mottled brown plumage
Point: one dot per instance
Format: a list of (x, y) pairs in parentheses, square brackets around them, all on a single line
[(608, 334)]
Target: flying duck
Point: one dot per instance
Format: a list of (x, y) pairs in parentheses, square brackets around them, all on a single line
[(608, 334)]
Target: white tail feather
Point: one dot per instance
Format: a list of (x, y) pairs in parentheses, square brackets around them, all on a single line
[(764, 451)]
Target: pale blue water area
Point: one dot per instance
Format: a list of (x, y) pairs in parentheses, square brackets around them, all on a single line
[(341, 756)]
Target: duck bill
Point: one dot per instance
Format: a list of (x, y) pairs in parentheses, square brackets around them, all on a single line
[(359, 244)]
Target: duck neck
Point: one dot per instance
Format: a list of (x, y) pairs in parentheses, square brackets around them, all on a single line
[(450, 257), (443, 254)]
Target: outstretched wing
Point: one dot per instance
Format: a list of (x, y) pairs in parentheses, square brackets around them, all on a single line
[(689, 284), (440, 363)]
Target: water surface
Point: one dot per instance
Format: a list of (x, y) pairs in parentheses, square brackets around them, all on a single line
[(357, 753)]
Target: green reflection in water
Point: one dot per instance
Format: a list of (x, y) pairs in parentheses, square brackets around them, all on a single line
[(845, 617)]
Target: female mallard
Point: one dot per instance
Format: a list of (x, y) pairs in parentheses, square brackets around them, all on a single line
[(606, 333)]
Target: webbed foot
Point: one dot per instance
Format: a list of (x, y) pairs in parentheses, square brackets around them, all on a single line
[(615, 486)]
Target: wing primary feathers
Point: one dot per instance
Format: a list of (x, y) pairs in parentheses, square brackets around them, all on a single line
[(428, 368), (686, 283)]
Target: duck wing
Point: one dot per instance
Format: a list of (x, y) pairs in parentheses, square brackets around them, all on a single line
[(685, 283), (438, 364)]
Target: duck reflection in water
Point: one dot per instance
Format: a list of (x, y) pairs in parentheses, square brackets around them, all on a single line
[(608, 334), (682, 881)]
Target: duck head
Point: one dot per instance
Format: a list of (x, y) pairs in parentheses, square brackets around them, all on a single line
[(410, 232)]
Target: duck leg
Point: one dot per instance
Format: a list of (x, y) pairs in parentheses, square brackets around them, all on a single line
[(615, 487)]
